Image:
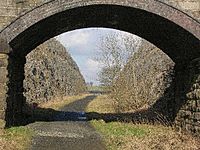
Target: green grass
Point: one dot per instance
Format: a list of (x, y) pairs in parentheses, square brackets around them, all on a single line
[(101, 104), (115, 134), (95, 88), (118, 129), (129, 136), (16, 138), (18, 131)]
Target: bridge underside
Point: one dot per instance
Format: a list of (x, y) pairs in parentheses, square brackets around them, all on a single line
[(177, 34)]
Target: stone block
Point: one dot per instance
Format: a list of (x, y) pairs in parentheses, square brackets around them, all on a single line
[(198, 109), (189, 105), (184, 114), (2, 122), (3, 3), (197, 130), (8, 11), (189, 127), (197, 93), (3, 63), (4, 46), (3, 96), (197, 116), (198, 78), (3, 75), (198, 103), (3, 89), (190, 95), (3, 20), (2, 108), (3, 60), (196, 86), (4, 56), (193, 105), (3, 103), (190, 5)]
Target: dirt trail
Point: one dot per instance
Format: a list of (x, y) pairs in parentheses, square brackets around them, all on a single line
[(68, 135)]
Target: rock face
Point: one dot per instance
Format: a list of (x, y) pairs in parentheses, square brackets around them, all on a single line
[(144, 79), (50, 72)]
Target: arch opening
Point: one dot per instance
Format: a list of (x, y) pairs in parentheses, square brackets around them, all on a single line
[(178, 38)]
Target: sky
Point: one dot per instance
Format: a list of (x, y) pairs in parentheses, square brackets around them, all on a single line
[(83, 45)]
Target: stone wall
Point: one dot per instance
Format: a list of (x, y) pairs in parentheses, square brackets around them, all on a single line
[(3, 82), (11, 9), (188, 116), (191, 7), (51, 73)]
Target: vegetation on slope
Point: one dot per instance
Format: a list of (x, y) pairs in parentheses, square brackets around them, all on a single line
[(143, 80), (129, 136)]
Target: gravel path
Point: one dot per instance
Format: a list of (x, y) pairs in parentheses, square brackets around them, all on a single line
[(67, 135)]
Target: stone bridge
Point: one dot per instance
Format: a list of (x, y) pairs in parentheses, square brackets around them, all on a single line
[(170, 29)]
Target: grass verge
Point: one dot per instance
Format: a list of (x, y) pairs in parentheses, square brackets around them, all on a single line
[(129, 136), (101, 104), (15, 138)]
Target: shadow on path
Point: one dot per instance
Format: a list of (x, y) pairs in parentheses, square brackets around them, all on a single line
[(65, 129), (69, 128), (71, 112), (75, 111)]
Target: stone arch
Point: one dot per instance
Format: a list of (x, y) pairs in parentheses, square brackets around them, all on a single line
[(176, 33), (152, 20)]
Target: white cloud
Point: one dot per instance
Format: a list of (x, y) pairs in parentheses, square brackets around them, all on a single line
[(92, 64), (91, 69), (83, 45), (73, 39), (80, 42)]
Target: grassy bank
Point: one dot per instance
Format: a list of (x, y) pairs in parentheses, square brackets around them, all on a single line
[(101, 104), (129, 136), (15, 138)]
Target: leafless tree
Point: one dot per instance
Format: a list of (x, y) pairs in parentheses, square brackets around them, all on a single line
[(114, 51)]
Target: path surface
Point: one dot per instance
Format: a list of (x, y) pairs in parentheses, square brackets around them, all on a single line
[(67, 135)]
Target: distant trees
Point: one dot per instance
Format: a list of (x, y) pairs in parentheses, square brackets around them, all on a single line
[(90, 83), (135, 72), (108, 74), (114, 51)]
